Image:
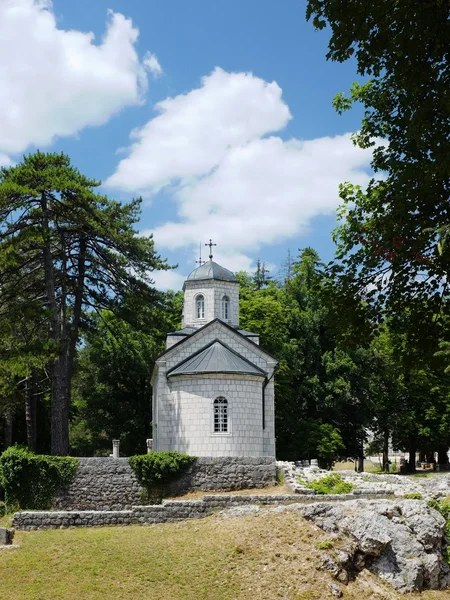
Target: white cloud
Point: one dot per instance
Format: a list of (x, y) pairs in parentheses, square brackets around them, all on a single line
[(168, 280), (194, 131), (5, 161), (230, 181), (151, 62), (55, 82)]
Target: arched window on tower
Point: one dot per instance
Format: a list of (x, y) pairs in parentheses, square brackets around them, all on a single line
[(220, 415), (225, 308), (200, 307)]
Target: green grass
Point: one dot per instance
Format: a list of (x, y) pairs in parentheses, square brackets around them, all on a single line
[(267, 556)]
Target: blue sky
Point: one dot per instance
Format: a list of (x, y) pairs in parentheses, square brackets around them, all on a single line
[(234, 134)]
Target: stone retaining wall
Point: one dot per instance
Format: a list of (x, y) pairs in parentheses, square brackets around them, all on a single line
[(109, 484), (169, 510)]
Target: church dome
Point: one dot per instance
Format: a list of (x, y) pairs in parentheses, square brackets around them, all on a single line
[(211, 270)]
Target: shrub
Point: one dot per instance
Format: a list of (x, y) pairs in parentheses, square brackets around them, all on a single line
[(281, 479), (413, 496), (330, 484), (156, 469), (443, 507), (31, 480)]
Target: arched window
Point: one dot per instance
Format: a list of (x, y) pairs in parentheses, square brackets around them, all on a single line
[(220, 415), (225, 308), (200, 307)]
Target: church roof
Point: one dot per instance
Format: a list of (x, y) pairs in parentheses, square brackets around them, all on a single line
[(216, 357), (188, 330), (211, 270)]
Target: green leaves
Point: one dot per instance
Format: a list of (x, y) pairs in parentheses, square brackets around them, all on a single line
[(64, 251), (399, 223), (156, 469), (31, 481)]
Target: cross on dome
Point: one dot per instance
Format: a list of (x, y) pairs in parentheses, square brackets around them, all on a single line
[(200, 261), (210, 248)]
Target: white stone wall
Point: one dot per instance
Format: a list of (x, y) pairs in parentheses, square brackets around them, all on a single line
[(183, 408), (213, 292), (191, 416), (171, 340)]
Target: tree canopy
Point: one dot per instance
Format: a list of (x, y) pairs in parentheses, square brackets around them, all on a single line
[(388, 249), (65, 250)]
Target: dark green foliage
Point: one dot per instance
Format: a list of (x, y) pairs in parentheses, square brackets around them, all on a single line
[(393, 250), (155, 469), (330, 484), (112, 392), (30, 480), (64, 250)]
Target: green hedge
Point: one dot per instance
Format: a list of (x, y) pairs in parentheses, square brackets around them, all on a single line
[(156, 469), (30, 480)]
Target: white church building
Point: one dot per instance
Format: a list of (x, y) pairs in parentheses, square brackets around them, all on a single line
[(213, 386)]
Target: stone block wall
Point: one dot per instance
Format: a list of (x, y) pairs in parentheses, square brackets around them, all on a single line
[(226, 474), (101, 484), (109, 484), (168, 511)]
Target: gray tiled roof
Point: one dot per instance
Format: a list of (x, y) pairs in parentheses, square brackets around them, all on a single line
[(190, 330), (185, 331), (216, 358), (211, 270)]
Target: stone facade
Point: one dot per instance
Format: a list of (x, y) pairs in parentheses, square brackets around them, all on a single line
[(110, 484), (213, 291), (182, 409)]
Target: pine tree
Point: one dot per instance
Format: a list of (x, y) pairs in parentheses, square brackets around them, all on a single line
[(67, 248)]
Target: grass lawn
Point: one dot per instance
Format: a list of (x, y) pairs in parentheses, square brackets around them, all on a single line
[(267, 556)]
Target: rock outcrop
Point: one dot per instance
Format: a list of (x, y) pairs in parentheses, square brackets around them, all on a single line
[(402, 541)]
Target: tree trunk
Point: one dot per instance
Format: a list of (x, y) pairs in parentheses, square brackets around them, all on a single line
[(386, 450), (77, 306), (60, 408), (8, 429), (412, 448), (31, 411), (422, 456), (360, 460), (59, 400), (443, 456)]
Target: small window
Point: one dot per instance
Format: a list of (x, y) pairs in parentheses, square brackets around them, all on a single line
[(220, 415), (200, 307), (225, 308)]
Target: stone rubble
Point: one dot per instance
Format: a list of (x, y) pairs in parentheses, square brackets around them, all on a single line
[(368, 483)]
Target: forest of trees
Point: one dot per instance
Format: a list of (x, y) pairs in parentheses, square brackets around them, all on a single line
[(363, 343)]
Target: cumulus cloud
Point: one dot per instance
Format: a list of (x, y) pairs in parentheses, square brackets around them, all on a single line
[(168, 280), (194, 131), (55, 82), (215, 152), (151, 62)]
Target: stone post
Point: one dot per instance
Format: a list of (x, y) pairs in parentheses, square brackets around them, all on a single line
[(116, 444), (149, 445)]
